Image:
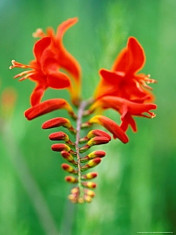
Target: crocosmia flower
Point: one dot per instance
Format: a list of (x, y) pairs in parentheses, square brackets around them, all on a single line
[(122, 89), (127, 109), (64, 59), (124, 80), (51, 58)]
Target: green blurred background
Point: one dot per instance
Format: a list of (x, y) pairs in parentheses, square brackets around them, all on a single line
[(136, 184)]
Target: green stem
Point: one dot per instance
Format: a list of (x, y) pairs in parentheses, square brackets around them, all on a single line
[(81, 109)]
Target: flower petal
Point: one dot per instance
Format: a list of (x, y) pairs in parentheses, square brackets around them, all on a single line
[(66, 60), (111, 126), (108, 84), (47, 107), (37, 95), (131, 59), (40, 46), (64, 26), (58, 80)]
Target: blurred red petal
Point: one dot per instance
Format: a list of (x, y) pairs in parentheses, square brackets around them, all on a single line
[(37, 95), (58, 80), (45, 107), (40, 46), (131, 59), (62, 28), (111, 126)]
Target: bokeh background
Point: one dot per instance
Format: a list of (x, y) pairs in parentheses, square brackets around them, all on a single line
[(137, 182)]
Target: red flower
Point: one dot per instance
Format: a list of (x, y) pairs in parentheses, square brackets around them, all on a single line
[(126, 108), (64, 59), (111, 126), (47, 107), (50, 57), (123, 80)]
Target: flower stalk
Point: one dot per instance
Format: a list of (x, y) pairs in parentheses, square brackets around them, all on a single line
[(81, 109), (123, 89)]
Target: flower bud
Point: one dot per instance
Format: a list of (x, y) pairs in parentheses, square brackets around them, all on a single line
[(98, 154), (90, 175), (68, 157), (71, 179), (97, 140), (92, 155), (111, 126), (89, 184), (60, 147), (87, 198), (75, 190), (68, 168), (47, 107), (56, 122), (94, 133), (89, 192), (72, 198), (92, 163), (59, 136)]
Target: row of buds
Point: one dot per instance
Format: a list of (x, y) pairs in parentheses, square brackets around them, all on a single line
[(68, 152), (88, 176), (94, 137), (75, 197)]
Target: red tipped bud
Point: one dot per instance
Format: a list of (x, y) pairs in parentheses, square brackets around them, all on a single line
[(92, 155), (94, 133), (92, 163), (89, 184), (60, 147), (47, 107), (95, 154), (87, 198), (75, 190), (71, 179), (56, 122), (72, 198), (97, 140), (90, 175), (68, 157), (89, 192), (59, 136), (68, 168)]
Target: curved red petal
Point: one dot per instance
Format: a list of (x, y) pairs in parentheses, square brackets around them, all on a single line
[(45, 107), (111, 126), (66, 60), (131, 59), (108, 83), (64, 26), (128, 120), (37, 95), (137, 55), (121, 62), (58, 80), (40, 46), (69, 63)]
